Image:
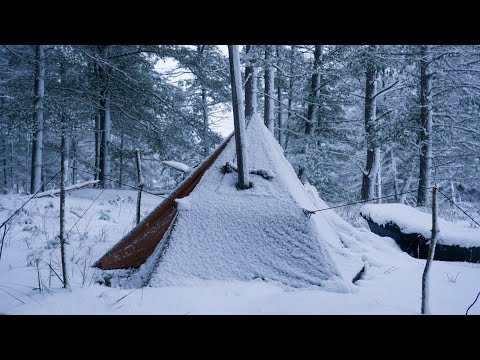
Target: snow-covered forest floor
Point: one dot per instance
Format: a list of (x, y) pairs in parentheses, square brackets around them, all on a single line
[(30, 260)]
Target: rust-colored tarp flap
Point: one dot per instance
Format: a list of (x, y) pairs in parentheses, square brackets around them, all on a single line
[(134, 249)]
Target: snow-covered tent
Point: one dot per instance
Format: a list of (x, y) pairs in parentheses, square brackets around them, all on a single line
[(208, 229)]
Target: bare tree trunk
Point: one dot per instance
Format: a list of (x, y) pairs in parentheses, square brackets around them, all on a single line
[(281, 117), (405, 187), (105, 120), (424, 179), (63, 176), (431, 254), (139, 183), (395, 175), (204, 104), (291, 82), (370, 171), (11, 168), (313, 97), (206, 144), (27, 168), (97, 146), (37, 144), (96, 119), (238, 117), (43, 178), (74, 161), (120, 176), (4, 152), (313, 104), (281, 112), (452, 190), (269, 101), (378, 159), (251, 75)]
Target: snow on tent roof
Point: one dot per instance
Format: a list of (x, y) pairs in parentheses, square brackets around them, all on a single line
[(221, 233), (411, 220)]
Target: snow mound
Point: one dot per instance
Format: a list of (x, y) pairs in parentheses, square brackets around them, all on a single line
[(411, 220)]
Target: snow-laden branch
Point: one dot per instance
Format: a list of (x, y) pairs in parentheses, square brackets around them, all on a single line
[(388, 89), (68, 188), (178, 166)]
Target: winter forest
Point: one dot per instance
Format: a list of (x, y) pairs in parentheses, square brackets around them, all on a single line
[(383, 123), (356, 122)]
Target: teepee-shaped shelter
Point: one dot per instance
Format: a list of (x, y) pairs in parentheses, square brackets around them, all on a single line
[(217, 232)]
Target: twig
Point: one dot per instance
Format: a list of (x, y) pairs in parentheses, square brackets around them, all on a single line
[(21, 292), (123, 297), (392, 269), (51, 268), (23, 302), (466, 313)]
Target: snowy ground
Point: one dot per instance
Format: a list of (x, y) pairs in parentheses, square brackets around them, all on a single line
[(393, 287)]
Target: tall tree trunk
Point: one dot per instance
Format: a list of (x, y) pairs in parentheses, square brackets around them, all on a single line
[(251, 75), (11, 167), (281, 112), (395, 175), (291, 82), (74, 161), (120, 176), (452, 192), (42, 174), (378, 159), (63, 177), (281, 117), (4, 153), (96, 120), (269, 102), (424, 178), (370, 172), (28, 169), (406, 187), (238, 117), (313, 97), (313, 104), (97, 145), (37, 143), (105, 120), (204, 103), (206, 144), (139, 184)]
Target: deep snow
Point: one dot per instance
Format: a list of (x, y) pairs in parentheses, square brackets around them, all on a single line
[(391, 284)]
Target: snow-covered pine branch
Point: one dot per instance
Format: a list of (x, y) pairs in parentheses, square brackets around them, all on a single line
[(178, 166)]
